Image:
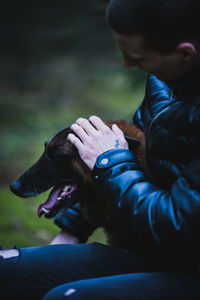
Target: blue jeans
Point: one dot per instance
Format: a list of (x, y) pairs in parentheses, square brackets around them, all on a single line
[(88, 272)]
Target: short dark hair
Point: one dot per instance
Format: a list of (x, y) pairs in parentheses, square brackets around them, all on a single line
[(163, 23)]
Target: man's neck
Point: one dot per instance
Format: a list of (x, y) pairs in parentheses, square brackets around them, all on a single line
[(187, 85)]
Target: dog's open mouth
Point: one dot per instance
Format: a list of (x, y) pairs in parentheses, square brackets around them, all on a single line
[(59, 198)]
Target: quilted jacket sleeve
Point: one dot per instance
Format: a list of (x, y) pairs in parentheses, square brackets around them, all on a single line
[(160, 219)]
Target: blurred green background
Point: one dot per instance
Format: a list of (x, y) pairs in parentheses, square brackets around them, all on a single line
[(58, 62)]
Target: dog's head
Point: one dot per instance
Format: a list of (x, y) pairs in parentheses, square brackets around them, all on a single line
[(60, 167)]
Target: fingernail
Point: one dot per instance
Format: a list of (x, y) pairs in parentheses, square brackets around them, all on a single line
[(69, 135)]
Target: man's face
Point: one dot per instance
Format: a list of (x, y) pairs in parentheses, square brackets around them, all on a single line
[(166, 67)]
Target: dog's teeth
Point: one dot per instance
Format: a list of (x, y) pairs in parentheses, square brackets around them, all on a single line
[(66, 188), (59, 198), (46, 211), (69, 196)]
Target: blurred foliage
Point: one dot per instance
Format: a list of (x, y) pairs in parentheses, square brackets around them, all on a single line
[(58, 62)]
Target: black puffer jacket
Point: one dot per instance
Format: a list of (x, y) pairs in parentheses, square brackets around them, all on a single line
[(163, 212), (171, 126)]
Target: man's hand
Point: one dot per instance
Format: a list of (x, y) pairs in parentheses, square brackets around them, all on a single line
[(64, 238), (95, 138)]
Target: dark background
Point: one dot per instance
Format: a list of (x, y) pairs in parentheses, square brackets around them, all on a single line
[(58, 61)]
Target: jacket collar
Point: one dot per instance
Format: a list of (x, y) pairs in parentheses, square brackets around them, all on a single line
[(188, 86)]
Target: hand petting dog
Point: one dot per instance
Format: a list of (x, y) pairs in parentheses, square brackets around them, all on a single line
[(95, 138)]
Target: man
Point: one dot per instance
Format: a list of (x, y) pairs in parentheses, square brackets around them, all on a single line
[(161, 37), (169, 58)]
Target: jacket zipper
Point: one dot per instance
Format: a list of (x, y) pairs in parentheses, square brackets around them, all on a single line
[(158, 115), (154, 119)]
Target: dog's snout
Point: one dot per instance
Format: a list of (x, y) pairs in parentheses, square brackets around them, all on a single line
[(15, 187), (23, 189)]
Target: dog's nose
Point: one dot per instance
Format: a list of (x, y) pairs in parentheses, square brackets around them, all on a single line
[(15, 187)]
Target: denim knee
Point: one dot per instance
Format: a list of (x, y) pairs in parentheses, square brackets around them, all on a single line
[(65, 291)]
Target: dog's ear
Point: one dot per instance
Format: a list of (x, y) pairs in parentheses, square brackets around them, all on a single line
[(132, 142)]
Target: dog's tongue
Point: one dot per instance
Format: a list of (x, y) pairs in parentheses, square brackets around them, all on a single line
[(51, 201)]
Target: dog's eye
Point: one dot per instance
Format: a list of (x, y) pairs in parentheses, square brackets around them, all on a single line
[(53, 152), (56, 154)]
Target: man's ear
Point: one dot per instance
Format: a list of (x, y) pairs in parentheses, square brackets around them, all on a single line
[(188, 51)]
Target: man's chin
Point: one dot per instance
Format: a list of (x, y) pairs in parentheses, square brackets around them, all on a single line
[(169, 79), (163, 78)]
